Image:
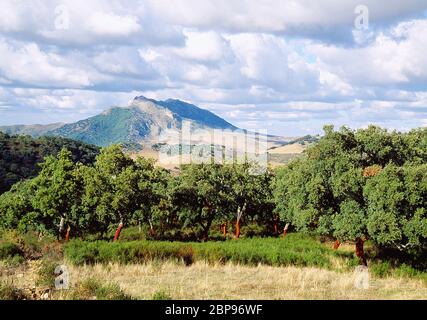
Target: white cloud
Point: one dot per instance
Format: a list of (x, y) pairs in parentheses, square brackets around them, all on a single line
[(301, 17), (203, 46), (288, 65), (28, 64), (395, 57), (102, 24)]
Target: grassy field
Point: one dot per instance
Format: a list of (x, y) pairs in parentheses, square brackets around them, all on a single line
[(221, 281), (297, 267), (297, 250)]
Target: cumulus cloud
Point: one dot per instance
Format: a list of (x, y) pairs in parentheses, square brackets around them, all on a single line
[(396, 56), (111, 24), (27, 64), (308, 18), (288, 66)]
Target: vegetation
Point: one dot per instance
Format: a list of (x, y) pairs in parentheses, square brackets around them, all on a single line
[(361, 185), (368, 184), (95, 289), (19, 156), (298, 250), (10, 292), (160, 295)]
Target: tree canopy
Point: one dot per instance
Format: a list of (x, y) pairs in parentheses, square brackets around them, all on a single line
[(20, 156), (368, 183)]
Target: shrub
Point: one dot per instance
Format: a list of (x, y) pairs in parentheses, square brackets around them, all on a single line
[(254, 230), (9, 292), (133, 233), (92, 288), (161, 295), (29, 243), (294, 250), (46, 273), (381, 269), (8, 250), (80, 252)]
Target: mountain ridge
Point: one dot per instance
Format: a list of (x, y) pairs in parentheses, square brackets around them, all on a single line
[(142, 120)]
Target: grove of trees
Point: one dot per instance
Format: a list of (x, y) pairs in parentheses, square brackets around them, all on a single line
[(350, 185), (19, 155), (354, 186)]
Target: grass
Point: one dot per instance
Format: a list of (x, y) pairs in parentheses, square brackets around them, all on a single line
[(10, 292), (204, 280), (297, 267), (161, 295), (9, 250), (46, 273), (296, 249), (27, 245), (95, 289)]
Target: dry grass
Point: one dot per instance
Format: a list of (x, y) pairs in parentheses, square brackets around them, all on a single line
[(203, 281), (294, 148)]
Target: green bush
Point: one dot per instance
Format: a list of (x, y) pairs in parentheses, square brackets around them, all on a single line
[(296, 250), (254, 230), (8, 250), (29, 243), (161, 295), (92, 288), (81, 252), (132, 233), (405, 270), (381, 269), (46, 273)]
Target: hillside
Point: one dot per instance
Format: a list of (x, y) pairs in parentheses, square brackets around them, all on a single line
[(282, 154), (142, 121), (19, 155), (35, 130)]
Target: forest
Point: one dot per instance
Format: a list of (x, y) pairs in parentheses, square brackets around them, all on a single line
[(351, 186), (19, 155)]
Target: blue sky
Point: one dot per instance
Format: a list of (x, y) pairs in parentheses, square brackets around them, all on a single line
[(286, 66)]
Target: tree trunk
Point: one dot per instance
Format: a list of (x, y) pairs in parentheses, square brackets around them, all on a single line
[(224, 229), (61, 228), (285, 230), (67, 236), (238, 228), (240, 212), (119, 229), (206, 231), (360, 252), (336, 245), (152, 232), (205, 234)]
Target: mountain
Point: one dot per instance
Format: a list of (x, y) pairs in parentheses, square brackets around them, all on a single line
[(143, 120), (34, 130)]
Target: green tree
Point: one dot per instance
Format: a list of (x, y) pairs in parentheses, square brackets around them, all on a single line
[(56, 190), (201, 193), (359, 184)]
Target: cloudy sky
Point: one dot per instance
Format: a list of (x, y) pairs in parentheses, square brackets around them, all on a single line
[(286, 66)]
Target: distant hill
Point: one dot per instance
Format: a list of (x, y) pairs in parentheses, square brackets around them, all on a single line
[(19, 155), (279, 155), (141, 121), (34, 130)]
